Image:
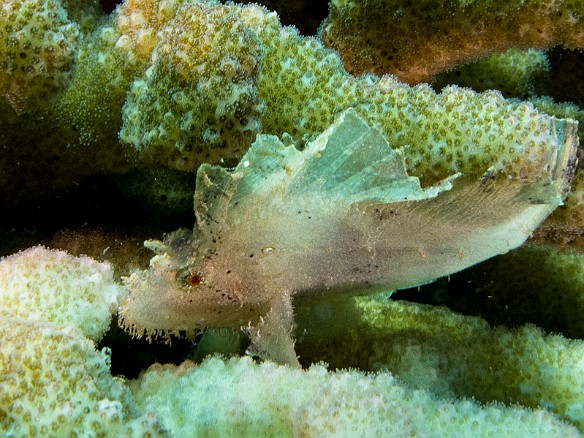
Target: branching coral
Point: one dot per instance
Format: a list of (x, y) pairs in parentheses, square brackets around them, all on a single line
[(416, 40)]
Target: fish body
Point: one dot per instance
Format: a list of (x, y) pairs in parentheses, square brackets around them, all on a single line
[(340, 216)]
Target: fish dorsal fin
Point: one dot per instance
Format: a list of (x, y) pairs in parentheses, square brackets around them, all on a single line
[(349, 162), (352, 161)]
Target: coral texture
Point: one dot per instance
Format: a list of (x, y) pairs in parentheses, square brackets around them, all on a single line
[(431, 348), (44, 284), (240, 398), (55, 384), (54, 381), (199, 89), (416, 40), (38, 45), (515, 73)]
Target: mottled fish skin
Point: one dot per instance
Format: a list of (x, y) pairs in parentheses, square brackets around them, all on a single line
[(341, 216)]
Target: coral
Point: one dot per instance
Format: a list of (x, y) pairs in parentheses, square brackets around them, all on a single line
[(38, 44), (198, 96), (268, 78), (515, 73), (340, 215), (43, 284), (416, 40), (456, 355), (457, 130), (54, 383), (240, 398)]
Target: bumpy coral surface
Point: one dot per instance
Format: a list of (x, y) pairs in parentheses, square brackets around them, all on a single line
[(43, 284), (415, 40), (38, 45), (515, 73), (198, 95), (240, 398), (461, 356), (55, 384), (457, 130)]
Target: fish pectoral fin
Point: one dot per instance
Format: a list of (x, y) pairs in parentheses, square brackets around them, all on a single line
[(271, 338)]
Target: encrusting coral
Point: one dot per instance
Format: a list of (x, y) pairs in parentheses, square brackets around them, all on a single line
[(55, 383), (416, 40), (269, 79)]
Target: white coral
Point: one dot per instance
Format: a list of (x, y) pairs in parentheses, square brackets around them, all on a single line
[(51, 285)]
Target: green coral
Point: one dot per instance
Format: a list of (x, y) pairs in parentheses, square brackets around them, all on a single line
[(515, 73), (54, 381), (452, 355), (38, 44), (198, 96), (240, 398), (54, 286)]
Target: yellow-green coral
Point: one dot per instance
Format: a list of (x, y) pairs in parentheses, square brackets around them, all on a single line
[(416, 40), (515, 73), (198, 96), (457, 130), (149, 58), (55, 383), (453, 355), (38, 44), (240, 398)]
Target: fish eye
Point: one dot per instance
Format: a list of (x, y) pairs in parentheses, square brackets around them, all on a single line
[(194, 279), (190, 278)]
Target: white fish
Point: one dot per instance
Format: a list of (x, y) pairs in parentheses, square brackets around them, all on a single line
[(341, 216)]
